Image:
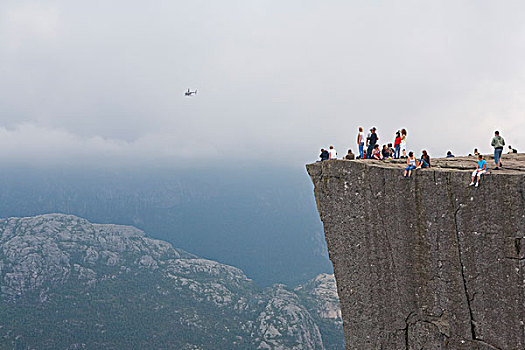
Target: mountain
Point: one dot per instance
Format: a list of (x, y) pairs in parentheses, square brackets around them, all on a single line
[(66, 283), (262, 220)]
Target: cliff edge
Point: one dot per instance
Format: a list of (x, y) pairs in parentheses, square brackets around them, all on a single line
[(426, 262)]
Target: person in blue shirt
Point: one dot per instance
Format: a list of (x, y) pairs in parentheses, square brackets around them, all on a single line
[(480, 169)]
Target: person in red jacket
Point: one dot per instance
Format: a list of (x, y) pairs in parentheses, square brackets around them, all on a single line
[(397, 145)]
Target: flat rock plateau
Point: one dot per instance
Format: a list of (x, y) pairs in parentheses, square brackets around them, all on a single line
[(426, 262)]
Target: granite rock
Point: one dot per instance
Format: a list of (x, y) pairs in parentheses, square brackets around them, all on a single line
[(426, 262)]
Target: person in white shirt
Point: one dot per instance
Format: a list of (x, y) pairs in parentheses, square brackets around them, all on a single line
[(332, 152), (361, 143)]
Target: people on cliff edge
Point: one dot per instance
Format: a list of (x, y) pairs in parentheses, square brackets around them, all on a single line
[(476, 152), (350, 155), (372, 141), (385, 153), (411, 164), (497, 142), (324, 155), (424, 161), (332, 153), (361, 143), (397, 145), (376, 153), (404, 142), (450, 155), (367, 143), (480, 170), (390, 151), (512, 150)]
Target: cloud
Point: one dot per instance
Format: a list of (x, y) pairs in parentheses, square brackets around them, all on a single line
[(33, 144), (276, 80), (28, 23)]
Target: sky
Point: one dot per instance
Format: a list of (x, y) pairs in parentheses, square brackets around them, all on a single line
[(104, 81)]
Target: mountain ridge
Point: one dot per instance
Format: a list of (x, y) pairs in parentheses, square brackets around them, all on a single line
[(112, 286)]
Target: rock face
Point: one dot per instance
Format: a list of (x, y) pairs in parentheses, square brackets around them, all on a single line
[(426, 262), (66, 283)]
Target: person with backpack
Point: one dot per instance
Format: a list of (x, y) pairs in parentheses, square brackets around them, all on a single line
[(480, 170), (497, 142)]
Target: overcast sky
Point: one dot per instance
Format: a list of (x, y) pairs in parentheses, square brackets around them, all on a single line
[(277, 80)]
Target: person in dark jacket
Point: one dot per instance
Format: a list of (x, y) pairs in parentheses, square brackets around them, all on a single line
[(385, 153), (390, 151), (372, 142), (424, 161), (324, 154)]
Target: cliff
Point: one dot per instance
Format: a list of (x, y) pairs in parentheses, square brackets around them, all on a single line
[(426, 262)]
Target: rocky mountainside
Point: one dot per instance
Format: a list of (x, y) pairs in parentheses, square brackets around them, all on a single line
[(262, 220), (68, 284)]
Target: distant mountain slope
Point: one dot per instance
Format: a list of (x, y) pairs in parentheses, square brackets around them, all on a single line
[(68, 284), (261, 220)]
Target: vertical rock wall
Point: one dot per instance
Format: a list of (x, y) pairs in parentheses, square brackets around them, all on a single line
[(426, 262)]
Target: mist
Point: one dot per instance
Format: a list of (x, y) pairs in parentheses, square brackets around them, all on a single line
[(103, 82)]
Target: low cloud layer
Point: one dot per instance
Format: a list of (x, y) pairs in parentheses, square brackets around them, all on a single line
[(104, 81)]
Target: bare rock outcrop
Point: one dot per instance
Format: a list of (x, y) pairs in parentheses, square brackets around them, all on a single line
[(426, 262), (66, 283)]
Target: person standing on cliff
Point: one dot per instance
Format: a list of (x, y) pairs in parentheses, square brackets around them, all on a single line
[(497, 142), (372, 142), (481, 169), (361, 143), (397, 145), (404, 142)]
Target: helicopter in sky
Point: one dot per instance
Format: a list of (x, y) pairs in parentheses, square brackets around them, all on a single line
[(189, 93)]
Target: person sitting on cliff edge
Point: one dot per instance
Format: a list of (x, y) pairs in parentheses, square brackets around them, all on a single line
[(324, 154), (512, 150), (332, 153), (376, 153), (411, 164), (350, 155), (480, 169), (424, 161)]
